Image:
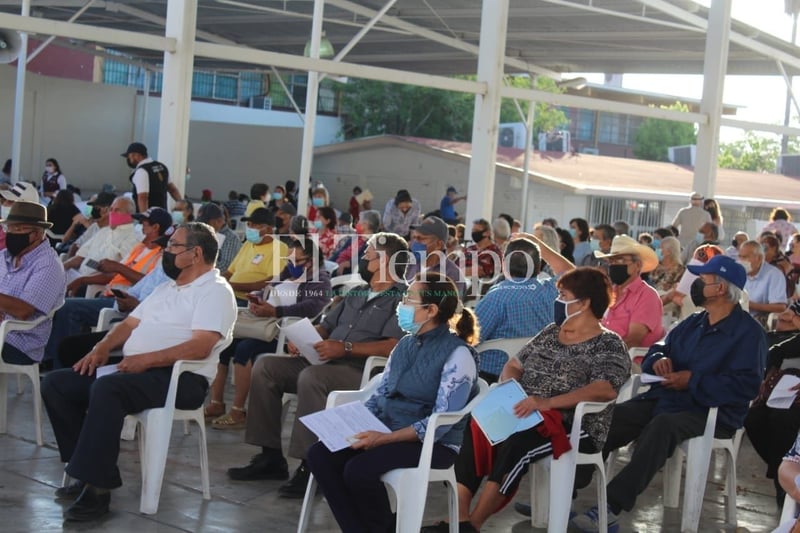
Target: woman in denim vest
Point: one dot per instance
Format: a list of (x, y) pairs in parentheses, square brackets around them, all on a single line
[(432, 369)]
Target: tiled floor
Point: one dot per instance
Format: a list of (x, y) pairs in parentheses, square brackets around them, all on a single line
[(29, 475)]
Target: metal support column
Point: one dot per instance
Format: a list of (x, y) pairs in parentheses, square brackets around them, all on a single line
[(312, 92), (526, 164), (714, 69), (480, 188), (19, 98), (176, 94)]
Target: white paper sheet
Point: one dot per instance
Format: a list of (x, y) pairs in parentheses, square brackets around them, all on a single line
[(105, 370), (782, 397), (336, 427), (651, 378), (304, 335)]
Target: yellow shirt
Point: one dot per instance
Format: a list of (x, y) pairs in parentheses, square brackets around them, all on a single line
[(256, 262), (252, 206)]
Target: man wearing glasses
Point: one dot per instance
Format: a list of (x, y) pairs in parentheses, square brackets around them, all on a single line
[(361, 325), (181, 319)]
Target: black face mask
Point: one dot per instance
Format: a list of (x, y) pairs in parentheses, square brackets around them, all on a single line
[(477, 236), (618, 274), (280, 222), (96, 212), (131, 164), (168, 264), (17, 242), (365, 274), (696, 292)]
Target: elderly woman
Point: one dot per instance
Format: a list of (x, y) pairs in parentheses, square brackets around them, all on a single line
[(670, 268), (549, 236), (568, 362), (432, 369)]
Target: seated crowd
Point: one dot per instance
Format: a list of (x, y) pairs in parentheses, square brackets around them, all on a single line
[(581, 295)]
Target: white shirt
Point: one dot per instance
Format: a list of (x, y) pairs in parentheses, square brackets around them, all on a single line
[(140, 178), (172, 312), (111, 244)]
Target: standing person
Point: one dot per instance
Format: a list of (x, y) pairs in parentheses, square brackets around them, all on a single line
[(781, 223), (52, 179), (690, 218), (291, 192), (400, 213), (715, 212), (319, 199), (150, 179), (355, 206), (446, 208)]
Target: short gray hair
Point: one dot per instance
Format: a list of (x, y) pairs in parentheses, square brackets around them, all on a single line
[(371, 217), (673, 246), (501, 228), (127, 203), (734, 293), (755, 245)]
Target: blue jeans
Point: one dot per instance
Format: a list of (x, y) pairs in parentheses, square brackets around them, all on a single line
[(76, 316)]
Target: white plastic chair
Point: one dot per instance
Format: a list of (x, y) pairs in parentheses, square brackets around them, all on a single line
[(32, 371), (156, 428), (346, 282), (373, 362), (409, 485), (551, 501), (510, 346), (108, 316), (789, 510), (698, 457)]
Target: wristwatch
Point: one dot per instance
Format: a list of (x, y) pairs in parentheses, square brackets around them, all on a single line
[(348, 348)]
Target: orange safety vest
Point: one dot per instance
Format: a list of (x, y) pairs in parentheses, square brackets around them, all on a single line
[(143, 265)]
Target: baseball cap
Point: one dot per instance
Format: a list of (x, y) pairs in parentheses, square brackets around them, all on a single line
[(135, 148), (432, 226), (452, 189), (209, 211), (287, 208), (21, 191), (156, 215), (104, 199), (724, 267), (261, 215)]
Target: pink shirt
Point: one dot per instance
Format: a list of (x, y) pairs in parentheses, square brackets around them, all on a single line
[(639, 304)]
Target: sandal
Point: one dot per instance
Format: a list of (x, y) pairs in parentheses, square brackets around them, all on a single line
[(227, 421), (211, 414)]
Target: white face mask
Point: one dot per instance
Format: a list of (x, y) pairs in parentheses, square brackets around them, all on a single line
[(139, 232), (747, 266), (4, 211), (220, 239)]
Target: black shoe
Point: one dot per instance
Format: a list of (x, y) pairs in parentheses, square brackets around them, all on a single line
[(90, 505), (261, 467), (444, 527), (296, 487), (70, 492), (522, 508)]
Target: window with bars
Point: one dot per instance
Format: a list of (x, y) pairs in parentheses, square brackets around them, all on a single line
[(584, 125), (640, 215)]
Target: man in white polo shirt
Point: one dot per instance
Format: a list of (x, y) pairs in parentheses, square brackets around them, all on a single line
[(183, 319)]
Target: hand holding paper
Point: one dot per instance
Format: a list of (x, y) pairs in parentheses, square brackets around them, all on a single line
[(304, 336), (784, 393)]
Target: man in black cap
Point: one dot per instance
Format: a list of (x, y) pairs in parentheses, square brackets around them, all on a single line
[(229, 243), (150, 179), (283, 222), (428, 246)]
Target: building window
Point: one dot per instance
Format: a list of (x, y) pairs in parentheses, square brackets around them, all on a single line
[(584, 125), (612, 128)]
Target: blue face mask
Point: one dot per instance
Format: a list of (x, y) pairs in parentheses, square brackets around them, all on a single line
[(560, 311), (318, 202), (318, 224), (277, 196), (295, 271), (405, 318), (659, 254), (656, 244), (419, 250), (252, 235), (573, 232), (595, 244), (177, 217), (699, 238)]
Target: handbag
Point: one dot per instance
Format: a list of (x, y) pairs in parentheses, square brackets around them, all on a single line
[(250, 326)]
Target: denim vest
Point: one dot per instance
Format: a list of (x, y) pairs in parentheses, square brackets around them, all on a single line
[(413, 383)]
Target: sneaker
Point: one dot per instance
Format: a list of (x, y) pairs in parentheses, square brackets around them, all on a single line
[(296, 487), (261, 467), (590, 521), (522, 508)]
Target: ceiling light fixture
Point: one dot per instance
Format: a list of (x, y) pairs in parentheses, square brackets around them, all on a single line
[(325, 48)]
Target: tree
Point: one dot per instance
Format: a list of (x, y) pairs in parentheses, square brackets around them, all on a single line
[(755, 152), (545, 117), (656, 135)]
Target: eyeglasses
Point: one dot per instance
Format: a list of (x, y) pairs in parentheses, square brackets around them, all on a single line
[(406, 301), (172, 245)]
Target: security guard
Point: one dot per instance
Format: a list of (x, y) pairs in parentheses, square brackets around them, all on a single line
[(150, 179)]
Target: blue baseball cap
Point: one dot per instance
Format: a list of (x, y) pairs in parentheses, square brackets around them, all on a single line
[(724, 267)]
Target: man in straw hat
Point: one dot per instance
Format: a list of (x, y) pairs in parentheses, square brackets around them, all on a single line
[(32, 281), (636, 313)]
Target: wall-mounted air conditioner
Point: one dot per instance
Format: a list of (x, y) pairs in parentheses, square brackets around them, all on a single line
[(682, 155), (555, 141), (261, 102), (512, 135), (789, 165)]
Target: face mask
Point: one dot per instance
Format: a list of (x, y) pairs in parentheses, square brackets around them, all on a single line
[(595, 245), (560, 311), (138, 230), (656, 243), (50, 170), (87, 211), (168, 264), (277, 196), (659, 254), (477, 236), (177, 217), (699, 238), (363, 271), (16, 242), (405, 319), (295, 271), (734, 243), (419, 250), (696, 292), (573, 232), (318, 224), (618, 274), (747, 266), (220, 240), (252, 235), (318, 202), (119, 219), (4, 211)]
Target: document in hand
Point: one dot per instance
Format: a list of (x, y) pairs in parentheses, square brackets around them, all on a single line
[(336, 427), (782, 397), (304, 335), (495, 414), (651, 378)]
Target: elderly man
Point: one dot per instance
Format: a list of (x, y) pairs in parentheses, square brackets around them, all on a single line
[(739, 238), (428, 246), (173, 323), (636, 313), (689, 219), (229, 243), (96, 220), (714, 358), (604, 235), (766, 285), (363, 324), (32, 281)]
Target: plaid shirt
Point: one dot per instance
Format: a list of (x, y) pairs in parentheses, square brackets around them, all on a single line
[(513, 308)]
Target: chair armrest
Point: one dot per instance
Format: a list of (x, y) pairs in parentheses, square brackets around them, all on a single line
[(12, 324), (340, 397), (188, 365), (584, 408)]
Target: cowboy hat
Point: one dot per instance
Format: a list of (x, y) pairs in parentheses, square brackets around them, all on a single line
[(23, 212), (625, 245)]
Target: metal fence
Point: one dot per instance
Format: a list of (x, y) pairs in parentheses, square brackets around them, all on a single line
[(640, 215)]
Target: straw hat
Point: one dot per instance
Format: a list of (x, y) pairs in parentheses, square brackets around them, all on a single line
[(625, 245), (23, 212)]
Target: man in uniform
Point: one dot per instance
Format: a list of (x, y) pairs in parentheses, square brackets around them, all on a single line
[(150, 179)]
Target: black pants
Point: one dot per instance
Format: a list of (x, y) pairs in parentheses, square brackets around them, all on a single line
[(87, 414), (351, 480), (656, 436), (72, 349), (772, 432)]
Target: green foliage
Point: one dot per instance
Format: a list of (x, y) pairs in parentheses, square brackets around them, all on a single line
[(656, 135), (754, 152), (375, 108)]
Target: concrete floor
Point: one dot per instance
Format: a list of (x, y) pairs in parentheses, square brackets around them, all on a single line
[(29, 475)]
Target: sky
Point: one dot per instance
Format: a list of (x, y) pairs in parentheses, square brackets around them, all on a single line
[(764, 97)]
